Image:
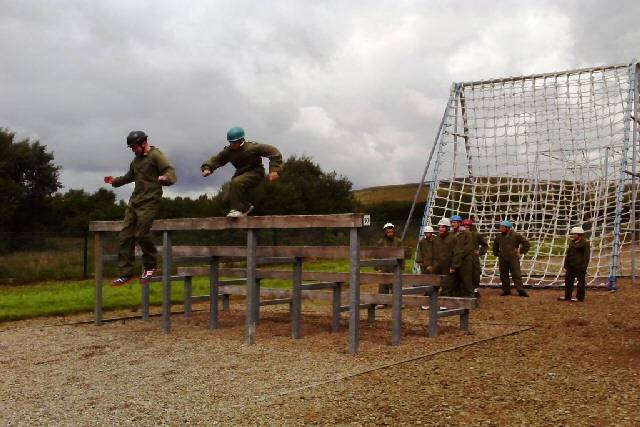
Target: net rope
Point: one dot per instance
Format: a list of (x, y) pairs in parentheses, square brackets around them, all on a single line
[(547, 152)]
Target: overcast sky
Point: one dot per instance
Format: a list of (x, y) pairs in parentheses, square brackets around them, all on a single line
[(360, 86)]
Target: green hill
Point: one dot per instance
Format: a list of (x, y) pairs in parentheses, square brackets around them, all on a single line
[(390, 193)]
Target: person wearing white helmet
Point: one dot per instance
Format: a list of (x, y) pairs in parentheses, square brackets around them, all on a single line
[(388, 240), (576, 261), (424, 256)]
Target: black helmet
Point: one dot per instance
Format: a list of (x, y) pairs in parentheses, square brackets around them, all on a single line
[(136, 137)]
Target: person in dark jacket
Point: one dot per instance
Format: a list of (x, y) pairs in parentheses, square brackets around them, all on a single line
[(508, 246), (462, 261), (480, 247), (246, 157), (424, 257), (150, 170), (576, 261)]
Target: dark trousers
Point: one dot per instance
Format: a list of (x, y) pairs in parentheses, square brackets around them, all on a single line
[(511, 266), (238, 193), (569, 279), (136, 229), (477, 270)]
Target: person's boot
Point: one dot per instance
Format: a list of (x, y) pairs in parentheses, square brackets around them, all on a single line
[(505, 293), (122, 280), (476, 293), (523, 294)]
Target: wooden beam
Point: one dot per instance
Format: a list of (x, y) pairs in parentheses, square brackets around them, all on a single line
[(320, 276), (323, 252), (348, 220), (365, 298)]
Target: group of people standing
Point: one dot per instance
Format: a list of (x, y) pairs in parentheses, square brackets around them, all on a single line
[(454, 250)]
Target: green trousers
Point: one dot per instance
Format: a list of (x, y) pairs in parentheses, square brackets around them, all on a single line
[(511, 266), (238, 193), (477, 270), (463, 278), (137, 225)]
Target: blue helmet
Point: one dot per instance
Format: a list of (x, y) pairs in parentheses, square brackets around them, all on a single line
[(235, 134), (507, 224), (456, 218)]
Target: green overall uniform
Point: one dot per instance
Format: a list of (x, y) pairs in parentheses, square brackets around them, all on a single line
[(142, 208), (576, 261), (425, 254), (463, 264), (479, 244), (395, 242), (508, 247), (249, 170), (443, 248)]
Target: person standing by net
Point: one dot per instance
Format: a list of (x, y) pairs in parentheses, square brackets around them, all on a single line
[(462, 262), (388, 240), (480, 247), (508, 246), (150, 170), (576, 261), (424, 256), (246, 157), (443, 246)]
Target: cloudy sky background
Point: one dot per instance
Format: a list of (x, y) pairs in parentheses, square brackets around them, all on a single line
[(359, 86)]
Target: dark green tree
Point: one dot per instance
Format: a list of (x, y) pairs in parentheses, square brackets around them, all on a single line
[(28, 179)]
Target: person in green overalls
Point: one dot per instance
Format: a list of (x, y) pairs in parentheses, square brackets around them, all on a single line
[(462, 262), (508, 246), (576, 261), (246, 157), (424, 257), (150, 170), (388, 240), (480, 247)]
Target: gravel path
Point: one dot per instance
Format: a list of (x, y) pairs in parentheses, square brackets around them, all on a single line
[(578, 365)]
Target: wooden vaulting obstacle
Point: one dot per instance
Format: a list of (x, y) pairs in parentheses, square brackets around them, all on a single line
[(248, 283)]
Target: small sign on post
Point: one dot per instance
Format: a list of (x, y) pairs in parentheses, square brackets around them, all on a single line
[(366, 220)]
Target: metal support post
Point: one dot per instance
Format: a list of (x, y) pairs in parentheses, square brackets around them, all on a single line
[(187, 296), (434, 307), (335, 319), (145, 301), (214, 281)]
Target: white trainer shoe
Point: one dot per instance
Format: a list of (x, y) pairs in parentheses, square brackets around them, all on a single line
[(234, 214)]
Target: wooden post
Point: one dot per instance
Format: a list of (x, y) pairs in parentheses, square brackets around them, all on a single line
[(250, 329), (296, 299), (145, 301), (98, 248), (396, 307), (335, 319), (214, 280), (434, 307), (187, 296), (166, 282), (354, 286)]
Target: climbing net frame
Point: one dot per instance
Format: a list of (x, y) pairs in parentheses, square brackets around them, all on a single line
[(548, 152)]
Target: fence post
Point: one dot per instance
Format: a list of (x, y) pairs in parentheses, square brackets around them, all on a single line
[(85, 256)]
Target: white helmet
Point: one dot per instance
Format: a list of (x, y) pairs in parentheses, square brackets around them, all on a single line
[(428, 229), (387, 225), (444, 221), (576, 230)]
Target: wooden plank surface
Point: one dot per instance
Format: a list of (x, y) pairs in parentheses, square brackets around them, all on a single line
[(323, 252), (320, 276), (347, 220), (365, 298)]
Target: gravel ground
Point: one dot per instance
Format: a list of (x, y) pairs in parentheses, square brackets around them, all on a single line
[(579, 364)]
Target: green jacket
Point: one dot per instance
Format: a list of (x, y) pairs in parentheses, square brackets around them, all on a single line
[(145, 170), (479, 242), (247, 159), (577, 255), (443, 252), (425, 251), (386, 242), (463, 248), (510, 245)]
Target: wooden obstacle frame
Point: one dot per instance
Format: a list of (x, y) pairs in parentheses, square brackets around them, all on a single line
[(248, 279)]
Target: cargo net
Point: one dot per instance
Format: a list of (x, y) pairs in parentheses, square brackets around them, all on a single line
[(546, 152)]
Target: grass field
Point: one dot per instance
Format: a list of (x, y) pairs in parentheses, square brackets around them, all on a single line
[(386, 193)]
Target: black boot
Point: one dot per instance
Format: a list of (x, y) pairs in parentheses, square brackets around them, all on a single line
[(523, 294)]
